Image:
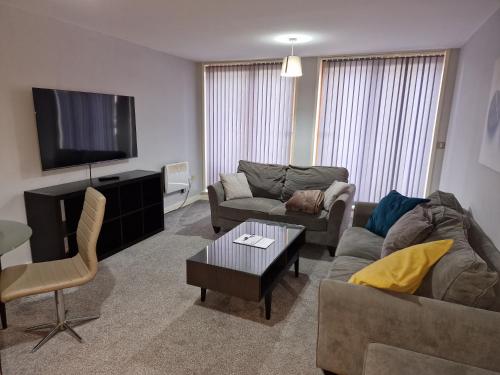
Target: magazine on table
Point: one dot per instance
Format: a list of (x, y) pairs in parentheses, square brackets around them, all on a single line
[(254, 240)]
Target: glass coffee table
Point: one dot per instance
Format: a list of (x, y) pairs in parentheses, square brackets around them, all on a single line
[(245, 271)]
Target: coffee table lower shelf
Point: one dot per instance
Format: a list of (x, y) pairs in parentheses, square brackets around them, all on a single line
[(268, 297)]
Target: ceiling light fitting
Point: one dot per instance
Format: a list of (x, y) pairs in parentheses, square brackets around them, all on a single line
[(292, 65)]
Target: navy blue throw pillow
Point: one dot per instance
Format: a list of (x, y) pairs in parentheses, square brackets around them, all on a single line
[(389, 210)]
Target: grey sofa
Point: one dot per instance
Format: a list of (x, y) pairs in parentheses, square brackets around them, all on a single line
[(271, 186), (363, 330)]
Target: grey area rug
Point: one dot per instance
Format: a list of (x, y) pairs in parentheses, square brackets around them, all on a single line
[(152, 322)]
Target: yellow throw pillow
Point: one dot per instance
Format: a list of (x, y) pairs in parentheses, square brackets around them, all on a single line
[(403, 270)]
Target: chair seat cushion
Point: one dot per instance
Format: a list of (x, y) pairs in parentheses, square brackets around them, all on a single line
[(361, 243), (316, 222), (247, 208), (343, 267), (29, 279)]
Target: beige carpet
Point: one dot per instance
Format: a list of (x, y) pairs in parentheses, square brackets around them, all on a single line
[(152, 322)]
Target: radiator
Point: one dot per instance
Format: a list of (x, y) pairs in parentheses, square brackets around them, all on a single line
[(176, 177)]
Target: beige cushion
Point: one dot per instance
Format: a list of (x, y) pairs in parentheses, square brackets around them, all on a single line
[(333, 192), (412, 228), (235, 186)]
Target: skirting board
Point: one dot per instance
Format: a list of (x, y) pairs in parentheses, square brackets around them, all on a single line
[(190, 200)]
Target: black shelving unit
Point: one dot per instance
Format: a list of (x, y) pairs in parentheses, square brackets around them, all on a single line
[(134, 211)]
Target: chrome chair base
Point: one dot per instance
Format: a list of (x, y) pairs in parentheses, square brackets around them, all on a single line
[(62, 324)]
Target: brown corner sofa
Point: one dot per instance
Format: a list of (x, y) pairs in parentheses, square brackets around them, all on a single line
[(272, 185), (363, 330)]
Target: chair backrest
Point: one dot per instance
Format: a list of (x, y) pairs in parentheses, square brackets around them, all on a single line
[(89, 227)]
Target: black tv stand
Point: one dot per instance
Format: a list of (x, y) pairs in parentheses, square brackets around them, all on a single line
[(134, 211)]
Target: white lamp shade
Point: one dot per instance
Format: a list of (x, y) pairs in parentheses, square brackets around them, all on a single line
[(292, 67)]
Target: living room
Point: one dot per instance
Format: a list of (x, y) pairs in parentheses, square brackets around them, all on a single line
[(352, 148)]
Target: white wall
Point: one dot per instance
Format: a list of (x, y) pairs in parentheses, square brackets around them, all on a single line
[(44, 52), (476, 186)]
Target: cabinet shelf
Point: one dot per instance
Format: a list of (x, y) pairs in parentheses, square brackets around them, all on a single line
[(134, 212)]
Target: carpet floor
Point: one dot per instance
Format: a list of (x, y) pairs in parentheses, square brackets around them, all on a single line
[(152, 322)]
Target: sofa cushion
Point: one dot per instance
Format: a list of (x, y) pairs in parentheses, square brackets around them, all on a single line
[(247, 208), (333, 192), (461, 276), (485, 248), (402, 271), (265, 180), (361, 243), (311, 178), (343, 267), (318, 222), (389, 210), (235, 186), (441, 198), (411, 229)]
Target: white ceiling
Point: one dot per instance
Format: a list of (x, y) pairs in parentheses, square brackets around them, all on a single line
[(209, 30)]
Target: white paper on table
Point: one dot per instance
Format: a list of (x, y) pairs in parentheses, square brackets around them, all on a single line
[(253, 240)]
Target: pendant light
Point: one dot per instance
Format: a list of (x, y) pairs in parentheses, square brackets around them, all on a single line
[(292, 66)]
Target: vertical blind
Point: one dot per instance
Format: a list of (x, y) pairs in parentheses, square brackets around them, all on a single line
[(377, 118), (248, 115)]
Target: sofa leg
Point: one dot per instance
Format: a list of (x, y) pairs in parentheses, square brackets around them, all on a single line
[(216, 229), (331, 250), (328, 372)]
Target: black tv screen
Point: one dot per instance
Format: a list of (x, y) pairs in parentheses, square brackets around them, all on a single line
[(81, 128)]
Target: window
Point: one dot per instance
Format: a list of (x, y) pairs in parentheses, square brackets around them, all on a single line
[(377, 118), (248, 115)]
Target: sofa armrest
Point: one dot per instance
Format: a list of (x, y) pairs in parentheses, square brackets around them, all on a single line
[(340, 215), (215, 196), (362, 212), (352, 316)]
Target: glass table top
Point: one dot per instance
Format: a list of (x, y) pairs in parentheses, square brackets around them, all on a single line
[(12, 235), (223, 252)]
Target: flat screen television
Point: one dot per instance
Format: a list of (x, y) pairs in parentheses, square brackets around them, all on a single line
[(82, 128)]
